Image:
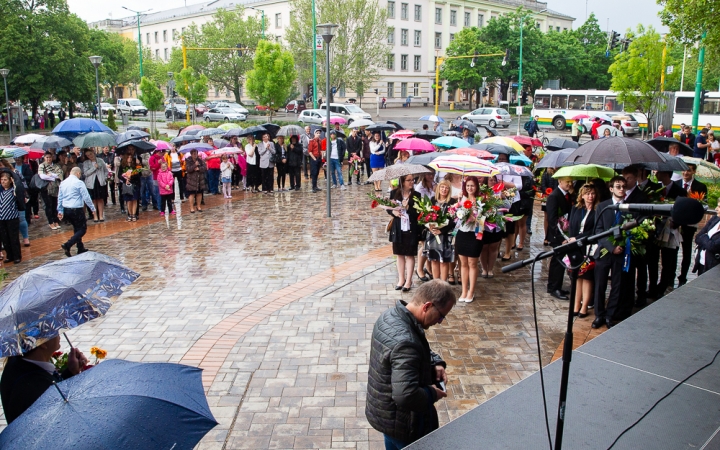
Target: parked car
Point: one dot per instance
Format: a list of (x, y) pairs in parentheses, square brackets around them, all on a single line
[(200, 109), (219, 114), (106, 107), (52, 105), (492, 117), (263, 108), (628, 123), (295, 106), (314, 116), (131, 106), (348, 112), (179, 110), (237, 107)]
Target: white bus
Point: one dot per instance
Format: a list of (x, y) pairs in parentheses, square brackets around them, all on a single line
[(557, 107), (683, 110)]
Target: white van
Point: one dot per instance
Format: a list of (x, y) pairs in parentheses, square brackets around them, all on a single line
[(131, 106), (347, 111)]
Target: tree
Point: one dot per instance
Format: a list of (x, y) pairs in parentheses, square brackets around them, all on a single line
[(590, 69), (152, 97), (192, 87), (458, 72), (111, 120), (688, 19), (271, 80), (359, 47), (636, 74), (114, 59)]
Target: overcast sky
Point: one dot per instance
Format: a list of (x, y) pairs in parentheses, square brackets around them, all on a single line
[(623, 14)]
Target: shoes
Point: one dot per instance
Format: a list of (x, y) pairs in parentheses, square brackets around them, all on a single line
[(491, 275), (520, 249), (591, 305), (422, 278), (406, 289), (144, 208), (608, 323), (453, 282), (82, 250), (641, 303), (26, 242), (343, 187), (333, 186), (558, 295), (470, 300), (506, 259), (18, 261), (297, 188), (565, 292), (162, 214), (397, 288), (122, 211), (582, 316), (172, 213), (66, 249), (575, 313), (7, 261), (598, 322), (483, 275)]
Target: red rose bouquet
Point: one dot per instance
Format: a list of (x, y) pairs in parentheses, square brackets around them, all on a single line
[(431, 216)]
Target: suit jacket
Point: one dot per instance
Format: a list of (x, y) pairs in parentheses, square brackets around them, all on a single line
[(676, 191), (695, 186), (556, 207), (576, 218), (710, 245), (355, 145), (606, 220), (636, 196)]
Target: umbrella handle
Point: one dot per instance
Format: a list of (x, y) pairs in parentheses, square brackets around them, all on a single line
[(61, 392), (68, 341)]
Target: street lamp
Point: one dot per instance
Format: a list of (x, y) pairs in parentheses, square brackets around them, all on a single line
[(262, 19), (4, 73), (171, 85), (327, 31), (96, 61), (137, 15), (520, 83)]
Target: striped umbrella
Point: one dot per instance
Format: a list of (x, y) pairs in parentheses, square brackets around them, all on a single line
[(468, 151), (464, 165), (504, 140)]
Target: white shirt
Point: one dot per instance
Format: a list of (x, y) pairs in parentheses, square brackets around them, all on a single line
[(250, 149), (687, 185), (419, 188), (333, 149), (47, 366)]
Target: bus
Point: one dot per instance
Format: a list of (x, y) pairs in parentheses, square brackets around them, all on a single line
[(682, 108), (557, 107)]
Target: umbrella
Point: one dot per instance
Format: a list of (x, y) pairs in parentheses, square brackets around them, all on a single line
[(466, 124), (191, 128), (361, 123), (161, 145), (210, 132), (580, 117), (227, 126), (527, 140), (704, 169), (140, 147), (402, 134), (601, 116), (192, 133), (520, 160), (73, 127), (450, 142), (397, 171), (671, 164), (225, 151), (235, 132), (314, 128), (52, 142), (117, 404), (253, 131), (184, 138), (381, 127), (14, 152), (452, 133), (415, 144), (464, 165), (432, 118), (503, 140), (662, 144), (131, 135), (428, 135), (398, 127), (291, 130), (200, 146), (513, 169), (95, 139), (135, 127), (554, 159), (584, 171), (560, 143), (424, 158), (615, 152), (613, 131), (482, 154), (271, 128), (27, 139), (490, 130), (59, 295), (221, 143), (338, 133), (495, 149)]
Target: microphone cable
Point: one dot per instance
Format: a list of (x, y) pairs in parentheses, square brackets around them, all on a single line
[(539, 352)]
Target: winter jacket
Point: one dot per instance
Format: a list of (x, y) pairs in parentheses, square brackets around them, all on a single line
[(155, 161), (295, 155), (195, 180), (400, 399), (165, 178)]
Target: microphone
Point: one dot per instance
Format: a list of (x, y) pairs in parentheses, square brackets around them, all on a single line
[(685, 211)]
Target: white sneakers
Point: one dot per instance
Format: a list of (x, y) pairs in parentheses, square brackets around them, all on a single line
[(466, 300)]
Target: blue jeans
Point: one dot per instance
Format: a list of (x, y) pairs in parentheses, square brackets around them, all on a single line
[(213, 179), (335, 166), (146, 196), (156, 194), (393, 444), (23, 224)]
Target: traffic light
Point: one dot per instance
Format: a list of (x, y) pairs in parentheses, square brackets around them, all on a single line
[(376, 91), (625, 44), (506, 57), (614, 39), (174, 93), (703, 98), (485, 92), (239, 46)]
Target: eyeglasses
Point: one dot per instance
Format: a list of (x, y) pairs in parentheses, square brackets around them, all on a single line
[(438, 310), (620, 186)]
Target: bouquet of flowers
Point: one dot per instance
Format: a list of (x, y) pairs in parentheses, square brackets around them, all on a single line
[(431, 215), (507, 192), (699, 196), (633, 239), (465, 212), (563, 223), (355, 161), (656, 195), (60, 359), (542, 196), (493, 213), (375, 201)]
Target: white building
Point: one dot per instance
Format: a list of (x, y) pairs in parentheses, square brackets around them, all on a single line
[(418, 31)]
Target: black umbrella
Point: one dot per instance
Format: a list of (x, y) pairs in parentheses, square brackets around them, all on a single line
[(140, 147), (235, 132), (398, 127), (615, 152), (671, 164), (184, 138), (560, 143), (495, 149), (135, 127), (51, 142), (662, 144), (490, 131), (338, 133), (271, 128), (256, 131), (555, 159), (131, 135), (317, 127), (381, 127), (465, 124), (428, 135), (423, 158)]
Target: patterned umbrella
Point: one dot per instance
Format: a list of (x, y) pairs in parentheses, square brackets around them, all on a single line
[(464, 165), (291, 130), (199, 146), (415, 144), (704, 168), (467, 151), (450, 142), (397, 171), (56, 296), (503, 140), (512, 169)]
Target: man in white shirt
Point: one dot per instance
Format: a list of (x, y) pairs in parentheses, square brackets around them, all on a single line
[(337, 154), (72, 196)]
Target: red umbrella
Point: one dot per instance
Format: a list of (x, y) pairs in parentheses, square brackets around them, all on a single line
[(482, 154), (402, 134), (191, 128), (416, 145), (526, 140), (580, 117), (35, 154)]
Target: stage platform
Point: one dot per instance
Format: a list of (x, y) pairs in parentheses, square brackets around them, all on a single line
[(614, 380)]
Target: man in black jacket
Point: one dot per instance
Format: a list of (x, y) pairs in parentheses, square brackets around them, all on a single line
[(354, 147), (557, 207), (405, 377), (692, 186), (667, 252)]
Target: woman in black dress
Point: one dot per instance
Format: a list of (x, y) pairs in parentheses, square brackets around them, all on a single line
[(130, 186), (491, 238), (467, 245), (438, 247), (582, 223), (404, 231)]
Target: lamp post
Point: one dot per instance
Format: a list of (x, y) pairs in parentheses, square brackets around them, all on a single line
[(96, 61), (137, 14), (314, 63), (520, 83), (171, 85), (327, 31), (4, 73), (262, 20)]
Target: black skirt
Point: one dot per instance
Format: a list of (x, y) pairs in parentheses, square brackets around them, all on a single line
[(442, 251), (98, 192), (466, 244), (407, 246), (254, 175), (491, 237)]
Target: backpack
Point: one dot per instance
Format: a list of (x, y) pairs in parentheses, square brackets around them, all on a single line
[(527, 126)]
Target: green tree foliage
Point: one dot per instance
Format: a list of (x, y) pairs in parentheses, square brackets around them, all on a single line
[(458, 72), (111, 120), (587, 63), (193, 87), (223, 68), (270, 82), (636, 74), (358, 49), (152, 97), (687, 19), (111, 47)]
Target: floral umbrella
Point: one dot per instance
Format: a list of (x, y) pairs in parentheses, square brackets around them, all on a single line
[(464, 165), (482, 154)]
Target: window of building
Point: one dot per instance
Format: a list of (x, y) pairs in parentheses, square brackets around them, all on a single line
[(452, 37), (481, 20), (174, 34), (157, 53), (416, 89), (390, 89), (438, 15), (157, 37), (182, 30), (438, 40), (147, 38), (391, 61), (403, 90), (418, 13), (403, 37), (564, 29), (453, 18), (391, 35), (166, 54), (417, 39), (537, 25), (557, 29), (391, 10), (467, 19), (416, 63), (164, 35), (404, 11), (278, 20), (404, 62)]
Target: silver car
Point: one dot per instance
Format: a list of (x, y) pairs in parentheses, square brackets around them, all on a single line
[(314, 116), (223, 115), (489, 116), (237, 107)]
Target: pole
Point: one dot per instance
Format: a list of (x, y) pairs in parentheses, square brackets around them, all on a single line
[(262, 19), (314, 64), (97, 87), (438, 63), (184, 55), (662, 74), (9, 115), (139, 46), (327, 125), (519, 89), (682, 74), (698, 84)]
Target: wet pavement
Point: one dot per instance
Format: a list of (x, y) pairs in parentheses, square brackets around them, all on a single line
[(276, 303)]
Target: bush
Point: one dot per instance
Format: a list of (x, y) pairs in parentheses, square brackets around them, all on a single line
[(713, 195), (111, 120)]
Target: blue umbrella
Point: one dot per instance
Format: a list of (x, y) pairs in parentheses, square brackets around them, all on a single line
[(14, 152), (432, 118), (73, 127), (200, 146), (57, 296), (117, 404), (450, 142)]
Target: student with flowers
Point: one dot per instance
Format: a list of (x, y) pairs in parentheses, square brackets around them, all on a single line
[(467, 245), (438, 246), (492, 237), (404, 230)]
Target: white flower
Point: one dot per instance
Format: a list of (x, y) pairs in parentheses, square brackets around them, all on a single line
[(461, 214)]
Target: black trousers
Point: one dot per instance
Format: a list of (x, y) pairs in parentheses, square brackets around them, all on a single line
[(10, 237), (50, 204), (627, 291), (556, 272), (305, 164), (688, 235), (642, 273), (267, 178), (181, 183), (315, 171), (76, 217), (281, 171), (166, 200), (111, 190), (652, 258), (609, 265), (294, 173), (669, 258)]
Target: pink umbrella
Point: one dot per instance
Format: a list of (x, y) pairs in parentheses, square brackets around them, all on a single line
[(191, 128), (416, 145), (580, 117), (161, 145), (227, 151), (482, 154), (402, 134)]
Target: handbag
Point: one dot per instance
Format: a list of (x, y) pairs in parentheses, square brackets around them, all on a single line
[(37, 183), (128, 189), (388, 227)]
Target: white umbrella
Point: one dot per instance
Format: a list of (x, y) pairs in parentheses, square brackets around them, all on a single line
[(361, 123), (29, 138)]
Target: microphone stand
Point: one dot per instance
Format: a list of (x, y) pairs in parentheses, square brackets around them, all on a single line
[(560, 251)]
